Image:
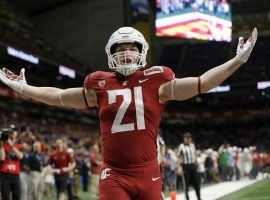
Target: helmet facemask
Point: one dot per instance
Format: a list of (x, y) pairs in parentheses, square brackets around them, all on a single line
[(128, 61)]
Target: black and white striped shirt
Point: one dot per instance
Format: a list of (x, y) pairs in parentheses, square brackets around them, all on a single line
[(160, 143), (187, 153)]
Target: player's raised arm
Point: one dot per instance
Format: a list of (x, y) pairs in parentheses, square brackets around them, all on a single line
[(78, 98), (185, 88)]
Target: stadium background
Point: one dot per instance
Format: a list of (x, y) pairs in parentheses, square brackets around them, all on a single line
[(73, 33)]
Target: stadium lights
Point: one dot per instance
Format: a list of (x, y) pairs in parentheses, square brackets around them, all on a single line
[(225, 88), (24, 56), (263, 85), (67, 71)]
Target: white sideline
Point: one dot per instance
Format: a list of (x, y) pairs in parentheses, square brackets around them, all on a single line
[(216, 191)]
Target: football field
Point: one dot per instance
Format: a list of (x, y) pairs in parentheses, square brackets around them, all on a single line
[(244, 189), (256, 191)]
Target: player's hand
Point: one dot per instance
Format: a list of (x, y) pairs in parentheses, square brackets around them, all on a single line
[(16, 82), (56, 171), (244, 48), (65, 169)]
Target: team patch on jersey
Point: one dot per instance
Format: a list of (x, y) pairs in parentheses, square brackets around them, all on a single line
[(101, 83), (153, 70), (125, 83)]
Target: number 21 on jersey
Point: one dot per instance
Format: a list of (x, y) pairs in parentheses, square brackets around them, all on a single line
[(127, 98)]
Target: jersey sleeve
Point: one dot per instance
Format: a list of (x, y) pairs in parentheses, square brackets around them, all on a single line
[(50, 160), (70, 158), (179, 151), (168, 74), (161, 74), (19, 146), (96, 81), (5, 146), (91, 81)]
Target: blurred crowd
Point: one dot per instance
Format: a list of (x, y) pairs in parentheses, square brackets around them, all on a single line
[(227, 163), (209, 6), (42, 138)]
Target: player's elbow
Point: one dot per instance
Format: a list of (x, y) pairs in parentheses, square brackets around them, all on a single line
[(206, 85), (54, 99), (205, 88)]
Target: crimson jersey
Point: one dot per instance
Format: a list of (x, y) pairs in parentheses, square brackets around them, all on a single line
[(60, 159), (129, 113), (11, 164)]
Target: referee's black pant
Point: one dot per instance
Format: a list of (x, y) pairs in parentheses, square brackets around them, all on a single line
[(191, 177), (10, 183)]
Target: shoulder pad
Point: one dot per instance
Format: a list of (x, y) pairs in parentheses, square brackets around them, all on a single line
[(97, 80), (100, 75)]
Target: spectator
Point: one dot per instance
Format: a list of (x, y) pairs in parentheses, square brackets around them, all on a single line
[(200, 165), (84, 173), (209, 166), (71, 175), (61, 162), (24, 176), (96, 165), (35, 164), (10, 155), (246, 162)]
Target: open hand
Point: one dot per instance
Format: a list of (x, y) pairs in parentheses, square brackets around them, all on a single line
[(244, 48), (16, 82)]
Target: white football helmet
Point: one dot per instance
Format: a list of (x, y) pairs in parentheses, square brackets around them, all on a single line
[(126, 62)]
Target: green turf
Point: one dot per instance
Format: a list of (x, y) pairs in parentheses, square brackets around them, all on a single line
[(256, 191)]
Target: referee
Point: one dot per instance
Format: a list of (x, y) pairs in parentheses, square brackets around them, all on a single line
[(186, 152)]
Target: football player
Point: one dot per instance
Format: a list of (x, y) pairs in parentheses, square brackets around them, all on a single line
[(131, 99)]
